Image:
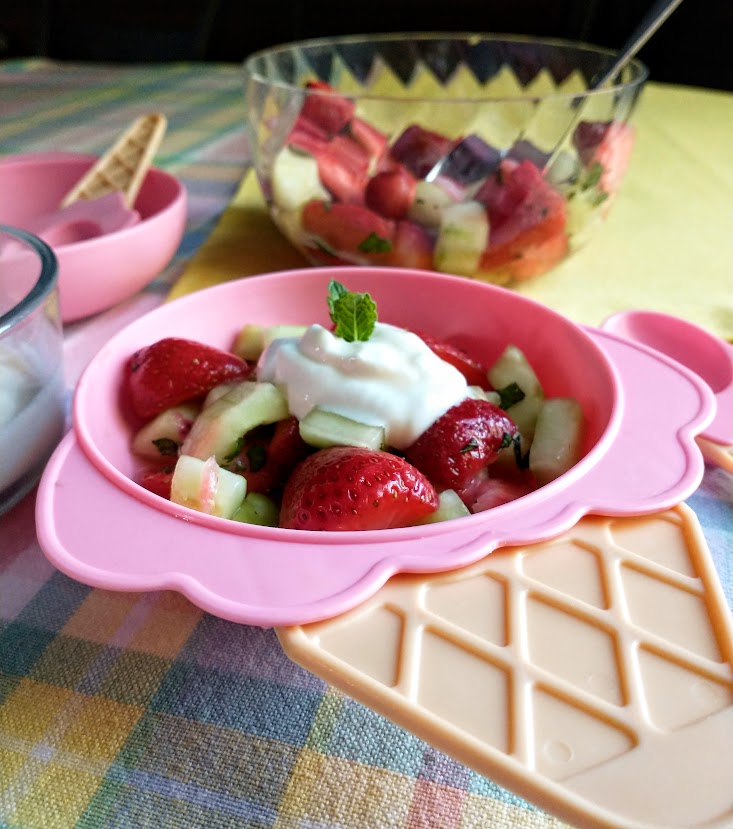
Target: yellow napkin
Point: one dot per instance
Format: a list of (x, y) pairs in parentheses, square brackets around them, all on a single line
[(667, 243)]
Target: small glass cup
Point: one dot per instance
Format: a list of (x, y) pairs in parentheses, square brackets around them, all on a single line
[(32, 415)]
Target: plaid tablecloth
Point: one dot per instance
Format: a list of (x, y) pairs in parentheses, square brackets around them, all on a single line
[(137, 710)]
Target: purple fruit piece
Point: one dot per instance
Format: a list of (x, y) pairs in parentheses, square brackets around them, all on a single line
[(419, 150), (587, 136), (470, 160), (527, 151)]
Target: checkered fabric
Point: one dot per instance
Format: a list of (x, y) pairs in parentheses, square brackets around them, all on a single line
[(139, 710)]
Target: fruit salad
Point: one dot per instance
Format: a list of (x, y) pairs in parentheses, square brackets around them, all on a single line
[(359, 425), (346, 193)]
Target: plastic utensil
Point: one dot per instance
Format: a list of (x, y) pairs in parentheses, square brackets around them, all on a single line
[(702, 352), (85, 219), (123, 167)]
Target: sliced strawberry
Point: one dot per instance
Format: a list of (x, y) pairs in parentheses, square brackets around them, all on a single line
[(174, 370), (412, 247), (269, 455), (308, 137), (370, 138), (420, 149), (463, 441), (483, 492), (343, 167), (474, 371), (326, 109), (349, 488), (391, 192), (158, 481), (349, 229)]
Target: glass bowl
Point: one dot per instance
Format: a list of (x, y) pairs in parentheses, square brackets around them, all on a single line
[(31, 362), (481, 156)]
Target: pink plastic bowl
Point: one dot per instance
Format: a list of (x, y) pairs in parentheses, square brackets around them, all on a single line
[(97, 273), (98, 525)]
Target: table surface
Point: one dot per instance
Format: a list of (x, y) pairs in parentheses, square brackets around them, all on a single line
[(132, 710)]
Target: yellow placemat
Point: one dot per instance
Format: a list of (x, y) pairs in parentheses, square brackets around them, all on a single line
[(667, 244)]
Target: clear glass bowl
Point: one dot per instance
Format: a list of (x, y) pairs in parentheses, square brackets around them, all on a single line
[(475, 155), (31, 362)]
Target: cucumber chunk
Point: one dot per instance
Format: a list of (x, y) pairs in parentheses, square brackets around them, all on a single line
[(218, 429), (449, 506), (258, 509), (206, 487), (512, 366), (462, 238), (253, 339), (164, 434), (322, 428), (558, 439)]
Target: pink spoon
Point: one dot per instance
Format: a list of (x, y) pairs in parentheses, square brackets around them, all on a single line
[(710, 357), (84, 219)]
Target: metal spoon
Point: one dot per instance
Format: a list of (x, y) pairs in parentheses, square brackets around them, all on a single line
[(649, 24)]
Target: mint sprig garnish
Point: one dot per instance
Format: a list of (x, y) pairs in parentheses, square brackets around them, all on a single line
[(353, 315)]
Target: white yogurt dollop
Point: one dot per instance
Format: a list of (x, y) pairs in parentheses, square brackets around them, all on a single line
[(392, 379)]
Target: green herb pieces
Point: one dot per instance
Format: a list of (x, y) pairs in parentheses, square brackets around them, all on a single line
[(374, 244), (354, 315), (509, 395), (166, 447)]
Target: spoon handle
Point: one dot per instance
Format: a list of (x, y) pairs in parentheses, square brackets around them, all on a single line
[(652, 20)]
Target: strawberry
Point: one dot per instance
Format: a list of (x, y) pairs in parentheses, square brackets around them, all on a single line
[(343, 167), (349, 229), (269, 455), (461, 442), (325, 109), (370, 138), (350, 488), (391, 192), (474, 372), (158, 481), (483, 492), (174, 370)]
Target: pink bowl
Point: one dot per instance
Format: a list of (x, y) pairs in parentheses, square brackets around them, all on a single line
[(638, 456), (97, 273)]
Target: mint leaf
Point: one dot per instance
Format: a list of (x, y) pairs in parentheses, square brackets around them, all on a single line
[(166, 447), (509, 395), (374, 244), (353, 315)]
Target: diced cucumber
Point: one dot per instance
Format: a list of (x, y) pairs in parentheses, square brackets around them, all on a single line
[(512, 366), (219, 391), (449, 506), (295, 180), (253, 339), (206, 487), (218, 429), (462, 238), (428, 204), (277, 332), (249, 343), (558, 439), (322, 428), (478, 393), (164, 434), (258, 509)]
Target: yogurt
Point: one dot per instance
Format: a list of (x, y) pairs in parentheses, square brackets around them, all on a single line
[(393, 379)]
